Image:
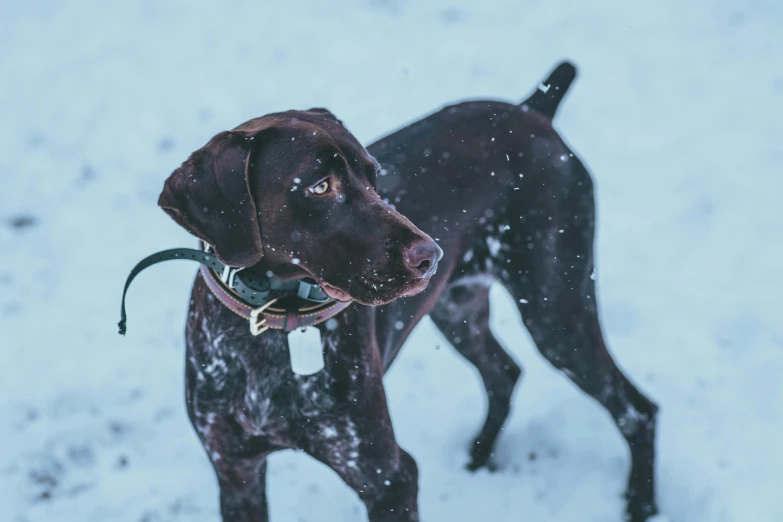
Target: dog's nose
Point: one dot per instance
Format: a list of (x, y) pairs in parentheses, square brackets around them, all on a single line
[(422, 257)]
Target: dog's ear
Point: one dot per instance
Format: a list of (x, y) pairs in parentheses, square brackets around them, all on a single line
[(325, 112), (209, 195)]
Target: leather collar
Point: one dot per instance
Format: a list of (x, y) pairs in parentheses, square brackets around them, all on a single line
[(268, 316), (250, 296)]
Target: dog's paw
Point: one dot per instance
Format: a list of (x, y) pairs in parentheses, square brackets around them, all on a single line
[(481, 456), (641, 506), (643, 512), (658, 518), (488, 464)]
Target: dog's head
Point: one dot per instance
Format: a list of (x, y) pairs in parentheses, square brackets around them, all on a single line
[(294, 193)]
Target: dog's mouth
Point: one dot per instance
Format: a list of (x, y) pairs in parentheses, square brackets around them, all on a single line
[(419, 286), (374, 292), (411, 288), (335, 293)]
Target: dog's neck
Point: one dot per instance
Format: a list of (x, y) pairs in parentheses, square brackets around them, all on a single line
[(288, 311)]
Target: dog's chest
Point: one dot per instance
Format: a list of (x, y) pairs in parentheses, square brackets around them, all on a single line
[(275, 392)]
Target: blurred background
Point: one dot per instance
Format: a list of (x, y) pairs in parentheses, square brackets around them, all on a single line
[(677, 111)]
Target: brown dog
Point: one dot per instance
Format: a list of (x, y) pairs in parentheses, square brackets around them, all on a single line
[(295, 196)]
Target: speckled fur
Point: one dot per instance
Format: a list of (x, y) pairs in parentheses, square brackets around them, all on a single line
[(245, 403), (508, 202)]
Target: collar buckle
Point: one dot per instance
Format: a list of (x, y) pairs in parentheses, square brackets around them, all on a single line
[(258, 323)]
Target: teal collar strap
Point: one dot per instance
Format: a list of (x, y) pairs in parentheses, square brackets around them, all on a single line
[(254, 290)]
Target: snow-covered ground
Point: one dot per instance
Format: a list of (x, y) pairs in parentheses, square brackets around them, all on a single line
[(678, 111)]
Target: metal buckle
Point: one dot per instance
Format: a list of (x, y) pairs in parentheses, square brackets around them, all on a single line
[(257, 321)]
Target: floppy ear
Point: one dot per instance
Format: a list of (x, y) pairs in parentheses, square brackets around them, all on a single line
[(325, 112), (209, 195)]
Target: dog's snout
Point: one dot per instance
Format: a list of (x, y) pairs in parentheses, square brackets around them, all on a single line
[(422, 257)]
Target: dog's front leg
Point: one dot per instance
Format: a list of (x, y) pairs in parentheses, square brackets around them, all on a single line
[(351, 431), (369, 460), (239, 461)]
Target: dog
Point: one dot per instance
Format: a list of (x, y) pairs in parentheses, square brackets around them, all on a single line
[(420, 222)]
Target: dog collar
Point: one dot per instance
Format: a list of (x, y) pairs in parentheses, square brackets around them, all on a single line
[(267, 316), (247, 295)]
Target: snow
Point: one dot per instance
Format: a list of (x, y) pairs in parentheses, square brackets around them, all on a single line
[(678, 111)]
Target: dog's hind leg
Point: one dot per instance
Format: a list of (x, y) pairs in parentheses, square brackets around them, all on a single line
[(567, 332), (462, 315), (551, 277)]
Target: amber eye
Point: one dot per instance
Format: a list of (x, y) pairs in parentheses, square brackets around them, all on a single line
[(320, 189)]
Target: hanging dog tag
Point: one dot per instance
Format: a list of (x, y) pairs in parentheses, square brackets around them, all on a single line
[(306, 350)]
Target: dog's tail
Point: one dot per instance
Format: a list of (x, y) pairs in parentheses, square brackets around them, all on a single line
[(548, 95)]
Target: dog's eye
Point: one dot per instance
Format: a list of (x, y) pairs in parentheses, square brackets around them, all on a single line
[(320, 189)]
